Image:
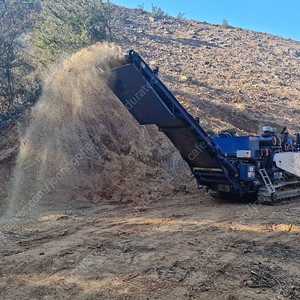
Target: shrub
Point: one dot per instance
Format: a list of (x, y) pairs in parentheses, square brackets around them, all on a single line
[(157, 12), (225, 24), (69, 25), (180, 15)]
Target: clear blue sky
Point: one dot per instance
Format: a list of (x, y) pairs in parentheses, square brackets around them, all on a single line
[(279, 17)]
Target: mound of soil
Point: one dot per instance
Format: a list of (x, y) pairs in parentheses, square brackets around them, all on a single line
[(82, 144)]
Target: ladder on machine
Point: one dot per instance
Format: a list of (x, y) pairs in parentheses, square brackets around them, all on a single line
[(267, 181)]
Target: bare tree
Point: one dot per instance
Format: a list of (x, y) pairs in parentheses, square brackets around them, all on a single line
[(16, 20)]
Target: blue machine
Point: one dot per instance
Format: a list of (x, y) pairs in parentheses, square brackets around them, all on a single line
[(249, 143), (263, 167)]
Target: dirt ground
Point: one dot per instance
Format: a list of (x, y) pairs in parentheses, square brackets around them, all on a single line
[(187, 247)]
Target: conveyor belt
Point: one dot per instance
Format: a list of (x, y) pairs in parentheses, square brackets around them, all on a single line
[(150, 102)]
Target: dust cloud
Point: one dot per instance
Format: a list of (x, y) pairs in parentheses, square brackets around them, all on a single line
[(82, 146)]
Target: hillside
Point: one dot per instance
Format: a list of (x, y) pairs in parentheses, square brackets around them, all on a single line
[(229, 77)]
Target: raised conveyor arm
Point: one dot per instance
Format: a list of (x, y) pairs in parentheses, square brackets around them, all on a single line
[(150, 102)]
